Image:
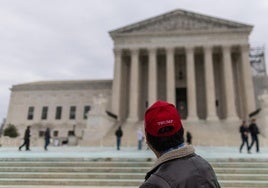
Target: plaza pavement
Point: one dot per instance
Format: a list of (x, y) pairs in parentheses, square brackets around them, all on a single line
[(125, 152)]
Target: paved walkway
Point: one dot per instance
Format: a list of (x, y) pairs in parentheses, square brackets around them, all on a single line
[(125, 152)]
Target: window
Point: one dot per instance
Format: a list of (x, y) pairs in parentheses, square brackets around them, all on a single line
[(86, 110), (30, 113), (72, 112), (44, 112), (41, 133), (58, 112), (56, 133), (70, 133), (181, 75)]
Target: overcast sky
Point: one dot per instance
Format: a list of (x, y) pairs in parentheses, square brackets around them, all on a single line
[(68, 39)]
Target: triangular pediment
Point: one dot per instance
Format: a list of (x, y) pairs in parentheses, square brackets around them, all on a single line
[(180, 21)]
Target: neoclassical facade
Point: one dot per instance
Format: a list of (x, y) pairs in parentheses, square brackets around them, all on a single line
[(199, 63)]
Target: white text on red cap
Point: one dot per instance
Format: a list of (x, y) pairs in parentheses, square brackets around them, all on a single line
[(165, 122)]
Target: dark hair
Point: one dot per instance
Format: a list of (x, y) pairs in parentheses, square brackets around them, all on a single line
[(162, 144)]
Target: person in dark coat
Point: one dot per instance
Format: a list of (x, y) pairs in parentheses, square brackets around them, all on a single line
[(177, 164), (47, 138), (254, 131), (140, 138), (188, 137), (118, 134), (27, 135), (243, 129)]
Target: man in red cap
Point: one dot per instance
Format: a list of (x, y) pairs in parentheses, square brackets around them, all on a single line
[(177, 164)]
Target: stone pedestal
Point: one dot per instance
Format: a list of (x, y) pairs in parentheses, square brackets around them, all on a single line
[(98, 122), (262, 118), (72, 140)]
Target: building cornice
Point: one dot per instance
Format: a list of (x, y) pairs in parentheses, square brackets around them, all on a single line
[(63, 85)]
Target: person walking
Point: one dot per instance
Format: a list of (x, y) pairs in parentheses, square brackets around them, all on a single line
[(254, 131), (118, 134), (47, 138), (243, 129), (188, 137), (140, 138), (177, 165), (27, 135)]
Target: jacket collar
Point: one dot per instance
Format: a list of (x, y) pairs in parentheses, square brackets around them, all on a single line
[(174, 154)]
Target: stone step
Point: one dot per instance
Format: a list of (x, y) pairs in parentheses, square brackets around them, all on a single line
[(76, 169), (244, 183), (239, 177), (71, 182), (77, 175), (116, 163), (73, 164), (122, 164), (63, 186), (76, 159), (16, 175), (117, 183), (239, 164), (108, 159), (241, 170), (133, 169)]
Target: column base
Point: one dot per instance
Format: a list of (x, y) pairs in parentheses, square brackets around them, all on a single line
[(192, 119), (212, 118), (132, 119), (232, 118)]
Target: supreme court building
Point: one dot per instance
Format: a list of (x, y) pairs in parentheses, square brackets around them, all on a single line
[(197, 62)]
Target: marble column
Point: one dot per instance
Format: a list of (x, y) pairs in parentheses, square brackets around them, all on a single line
[(134, 86), (247, 81), (210, 84), (191, 84), (231, 113), (170, 76), (152, 77), (117, 82)]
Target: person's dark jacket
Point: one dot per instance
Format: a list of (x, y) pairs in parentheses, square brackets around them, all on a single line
[(47, 135), (181, 168), (27, 134), (244, 131), (119, 133), (253, 129)]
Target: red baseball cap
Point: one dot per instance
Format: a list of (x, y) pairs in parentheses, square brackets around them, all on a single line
[(162, 114)]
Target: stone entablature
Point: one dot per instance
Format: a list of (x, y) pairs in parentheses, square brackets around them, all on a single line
[(234, 39), (64, 85)]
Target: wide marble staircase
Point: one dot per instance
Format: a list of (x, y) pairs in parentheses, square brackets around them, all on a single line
[(116, 172)]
